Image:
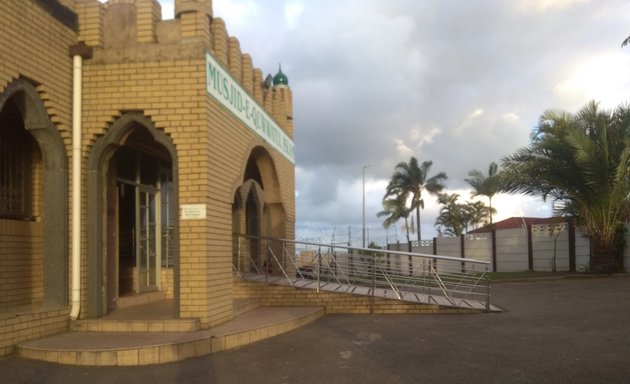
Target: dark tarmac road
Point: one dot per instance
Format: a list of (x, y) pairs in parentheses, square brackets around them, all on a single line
[(561, 331)]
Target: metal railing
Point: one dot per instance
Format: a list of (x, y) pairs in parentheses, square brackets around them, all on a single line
[(405, 275)]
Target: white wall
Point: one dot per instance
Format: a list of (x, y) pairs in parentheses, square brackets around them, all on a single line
[(512, 250), (478, 247), (550, 242)]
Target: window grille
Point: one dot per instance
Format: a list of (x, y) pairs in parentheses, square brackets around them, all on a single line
[(15, 152)]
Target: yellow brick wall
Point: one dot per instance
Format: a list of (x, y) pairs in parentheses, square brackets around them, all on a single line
[(17, 328), (33, 46), (21, 264), (167, 281), (170, 93), (212, 145)]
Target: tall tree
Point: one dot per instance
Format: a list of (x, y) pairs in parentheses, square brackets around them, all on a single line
[(582, 162), (411, 179), (486, 185), (478, 213), (453, 218), (395, 208)]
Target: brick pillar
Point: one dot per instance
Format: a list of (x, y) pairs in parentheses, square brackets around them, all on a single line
[(195, 16), (91, 15), (247, 73), (258, 86), (149, 14), (220, 41), (234, 58), (199, 6)]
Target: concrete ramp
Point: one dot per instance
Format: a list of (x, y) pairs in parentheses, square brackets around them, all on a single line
[(412, 296)]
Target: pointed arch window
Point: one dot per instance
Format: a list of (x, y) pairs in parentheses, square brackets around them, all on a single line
[(16, 158)]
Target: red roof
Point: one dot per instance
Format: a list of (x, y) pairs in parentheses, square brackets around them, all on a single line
[(518, 222)]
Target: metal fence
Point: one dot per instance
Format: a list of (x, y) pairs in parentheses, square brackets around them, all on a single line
[(402, 275), (352, 236)]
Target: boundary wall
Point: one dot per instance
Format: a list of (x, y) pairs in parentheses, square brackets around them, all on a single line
[(546, 247)]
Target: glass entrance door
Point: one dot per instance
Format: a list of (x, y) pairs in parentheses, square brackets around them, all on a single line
[(147, 245)]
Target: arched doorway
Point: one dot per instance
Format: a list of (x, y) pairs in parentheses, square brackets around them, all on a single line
[(33, 202), (257, 212), (134, 168)]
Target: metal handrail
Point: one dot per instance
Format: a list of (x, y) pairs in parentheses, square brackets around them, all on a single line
[(273, 255), (458, 280), (388, 279), (441, 284)]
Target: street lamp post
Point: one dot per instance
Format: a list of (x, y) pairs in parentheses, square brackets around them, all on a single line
[(363, 211)]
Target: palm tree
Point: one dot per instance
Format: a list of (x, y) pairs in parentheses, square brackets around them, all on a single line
[(488, 185), (453, 217), (395, 208), (582, 162), (478, 213), (411, 179)]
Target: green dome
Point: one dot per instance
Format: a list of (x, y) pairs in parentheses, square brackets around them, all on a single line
[(280, 78)]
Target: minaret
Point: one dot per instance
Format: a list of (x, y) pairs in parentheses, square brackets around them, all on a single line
[(283, 101), (280, 80)]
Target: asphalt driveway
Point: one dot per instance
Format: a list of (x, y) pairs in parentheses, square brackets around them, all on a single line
[(563, 331)]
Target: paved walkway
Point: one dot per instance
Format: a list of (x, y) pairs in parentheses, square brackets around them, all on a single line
[(568, 331)]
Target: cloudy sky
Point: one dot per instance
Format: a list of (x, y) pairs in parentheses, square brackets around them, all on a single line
[(460, 83)]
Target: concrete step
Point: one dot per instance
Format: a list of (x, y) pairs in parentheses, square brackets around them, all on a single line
[(144, 348), (143, 298), (104, 325), (152, 316)]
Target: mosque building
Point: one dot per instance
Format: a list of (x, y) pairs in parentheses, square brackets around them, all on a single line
[(131, 149)]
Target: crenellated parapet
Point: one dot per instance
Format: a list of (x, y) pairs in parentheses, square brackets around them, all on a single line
[(91, 17), (247, 73), (219, 45), (149, 15), (194, 17), (202, 7), (235, 58), (258, 89), (133, 30)]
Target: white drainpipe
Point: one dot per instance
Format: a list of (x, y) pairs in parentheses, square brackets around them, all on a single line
[(76, 187)]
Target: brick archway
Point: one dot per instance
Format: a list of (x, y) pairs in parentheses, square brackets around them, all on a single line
[(97, 180), (53, 189)]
